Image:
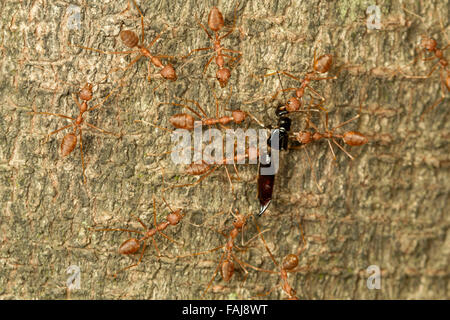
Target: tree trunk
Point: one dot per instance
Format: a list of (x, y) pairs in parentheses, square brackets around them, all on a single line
[(386, 208)]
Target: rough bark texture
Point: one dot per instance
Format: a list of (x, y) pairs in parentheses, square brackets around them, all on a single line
[(388, 207)]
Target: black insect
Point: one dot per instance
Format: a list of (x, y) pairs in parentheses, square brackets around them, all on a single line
[(268, 166)]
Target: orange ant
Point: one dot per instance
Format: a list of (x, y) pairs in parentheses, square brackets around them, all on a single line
[(226, 264), (320, 65), (186, 121), (216, 23), (132, 245), (69, 141), (131, 40), (351, 138), (288, 265), (429, 44)]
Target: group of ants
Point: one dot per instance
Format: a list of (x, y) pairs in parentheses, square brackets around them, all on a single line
[(226, 61)]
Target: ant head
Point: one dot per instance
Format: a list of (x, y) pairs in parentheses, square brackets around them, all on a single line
[(86, 92), (293, 104), (304, 137), (238, 116), (129, 246), (223, 75), (428, 43), (168, 72), (129, 38), (215, 19), (323, 63), (290, 262), (174, 217)]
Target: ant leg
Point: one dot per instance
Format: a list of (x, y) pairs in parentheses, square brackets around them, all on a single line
[(101, 130), (420, 77), (183, 106), (233, 51), (118, 229), (196, 182), (342, 148), (103, 101), (229, 179), (282, 90), (204, 29), (142, 21), (196, 50), (82, 157), (103, 52), (196, 104), (331, 148), (265, 244), (56, 131), (234, 23), (156, 126), (435, 104), (345, 122), (53, 114), (156, 38), (215, 272), (207, 64), (283, 72)]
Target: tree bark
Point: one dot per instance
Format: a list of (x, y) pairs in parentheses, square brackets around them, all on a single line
[(388, 207)]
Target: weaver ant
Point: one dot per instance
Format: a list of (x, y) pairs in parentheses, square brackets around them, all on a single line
[(132, 245), (226, 264), (428, 44), (288, 265), (69, 141), (130, 39), (351, 138), (320, 65), (186, 121), (216, 23)]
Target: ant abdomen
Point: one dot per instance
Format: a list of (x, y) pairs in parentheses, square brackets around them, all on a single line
[(129, 38), (168, 72), (227, 270), (215, 19), (130, 246), (323, 63), (354, 138), (68, 144), (182, 121)]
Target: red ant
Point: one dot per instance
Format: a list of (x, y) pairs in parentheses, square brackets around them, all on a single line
[(131, 40), (216, 23), (351, 138), (289, 265), (430, 45), (186, 121), (69, 141), (226, 264), (132, 245), (320, 65)]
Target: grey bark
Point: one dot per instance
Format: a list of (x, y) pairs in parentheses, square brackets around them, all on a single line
[(388, 207)]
